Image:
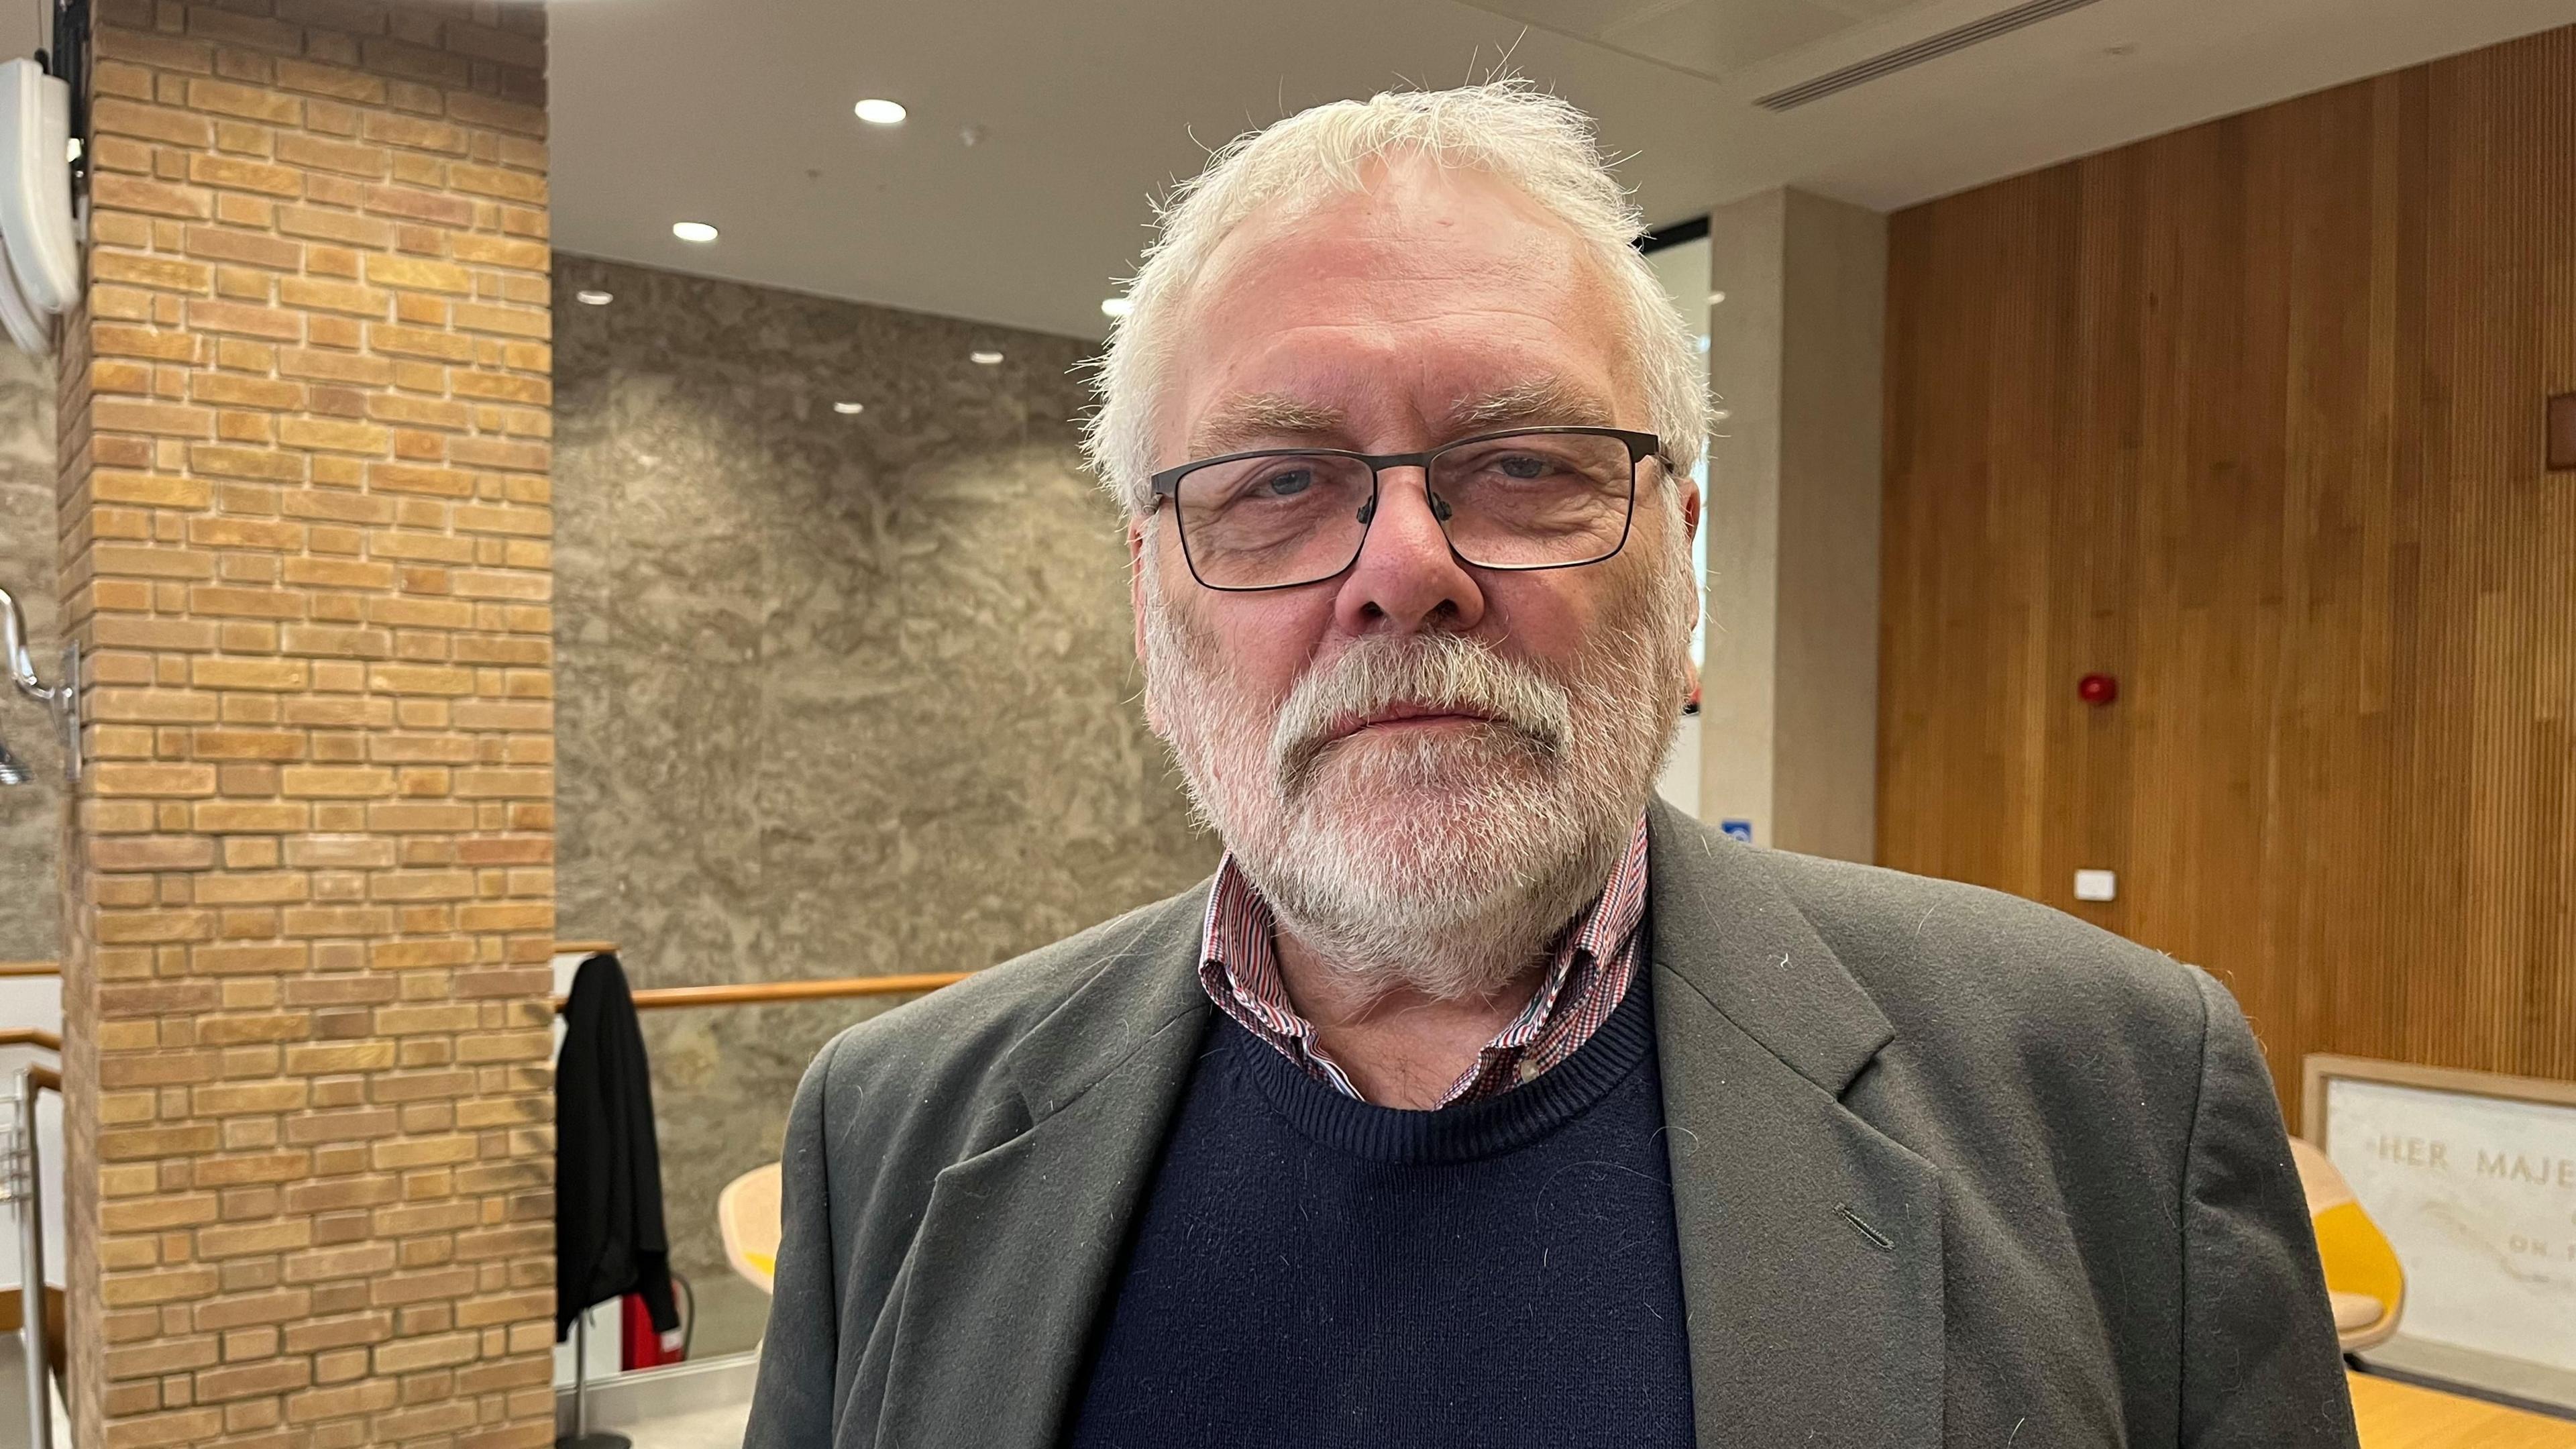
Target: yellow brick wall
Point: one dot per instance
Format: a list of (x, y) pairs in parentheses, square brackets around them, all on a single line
[(305, 542)]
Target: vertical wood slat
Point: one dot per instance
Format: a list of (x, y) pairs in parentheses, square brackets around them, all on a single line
[(2250, 415)]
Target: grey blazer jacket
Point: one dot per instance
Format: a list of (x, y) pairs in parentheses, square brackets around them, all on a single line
[(1949, 1169)]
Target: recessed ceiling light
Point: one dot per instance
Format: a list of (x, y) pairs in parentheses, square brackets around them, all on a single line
[(593, 297), (846, 408), (693, 231), (879, 113), (983, 357), (1116, 306), (1716, 297)]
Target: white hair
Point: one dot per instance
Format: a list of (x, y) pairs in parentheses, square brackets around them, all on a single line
[(1533, 141)]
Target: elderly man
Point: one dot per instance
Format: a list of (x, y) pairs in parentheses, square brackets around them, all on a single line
[(1477, 1100)]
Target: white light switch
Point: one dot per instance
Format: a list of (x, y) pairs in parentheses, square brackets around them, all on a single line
[(2096, 885)]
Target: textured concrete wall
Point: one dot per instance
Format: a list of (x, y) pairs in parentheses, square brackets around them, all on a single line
[(839, 694), (31, 820)]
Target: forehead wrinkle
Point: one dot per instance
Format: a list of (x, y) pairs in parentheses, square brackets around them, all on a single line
[(1390, 264)]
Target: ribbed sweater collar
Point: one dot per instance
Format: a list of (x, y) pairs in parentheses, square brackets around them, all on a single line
[(1459, 1133)]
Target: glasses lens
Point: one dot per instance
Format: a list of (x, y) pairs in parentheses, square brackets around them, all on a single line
[(1537, 500), (1258, 523)]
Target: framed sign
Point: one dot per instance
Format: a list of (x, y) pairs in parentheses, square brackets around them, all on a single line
[(2472, 1175)]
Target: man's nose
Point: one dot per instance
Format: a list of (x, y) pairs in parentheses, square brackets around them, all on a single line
[(1407, 577)]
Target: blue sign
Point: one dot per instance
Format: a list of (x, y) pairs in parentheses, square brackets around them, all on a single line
[(1736, 830)]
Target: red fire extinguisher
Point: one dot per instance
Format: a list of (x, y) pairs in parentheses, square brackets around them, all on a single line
[(643, 1348)]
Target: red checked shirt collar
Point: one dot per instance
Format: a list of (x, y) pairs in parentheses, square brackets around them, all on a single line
[(1586, 979)]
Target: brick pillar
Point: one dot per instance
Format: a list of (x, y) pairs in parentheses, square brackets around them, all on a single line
[(305, 542)]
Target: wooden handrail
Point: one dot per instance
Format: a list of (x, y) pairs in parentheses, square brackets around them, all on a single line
[(663, 998), (651, 998), (55, 968), (30, 1036), (46, 1079)]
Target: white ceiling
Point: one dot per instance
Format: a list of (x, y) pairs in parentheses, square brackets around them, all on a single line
[(737, 112), (1712, 39)]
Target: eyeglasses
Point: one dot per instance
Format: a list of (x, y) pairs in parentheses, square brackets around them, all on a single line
[(1526, 498)]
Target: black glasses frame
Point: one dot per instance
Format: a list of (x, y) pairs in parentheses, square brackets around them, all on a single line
[(1641, 446)]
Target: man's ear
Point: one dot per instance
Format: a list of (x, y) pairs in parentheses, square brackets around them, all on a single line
[(1136, 581), (1699, 587), (1136, 585)]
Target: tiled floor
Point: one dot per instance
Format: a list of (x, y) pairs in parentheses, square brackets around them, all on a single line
[(13, 1401), (731, 1314), (704, 1429)]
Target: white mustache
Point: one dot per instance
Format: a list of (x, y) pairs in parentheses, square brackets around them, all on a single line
[(1426, 671)]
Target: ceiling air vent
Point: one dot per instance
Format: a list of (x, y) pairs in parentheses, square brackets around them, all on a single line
[(1906, 56)]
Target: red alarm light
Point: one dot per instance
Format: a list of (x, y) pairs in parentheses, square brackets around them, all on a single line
[(2097, 689)]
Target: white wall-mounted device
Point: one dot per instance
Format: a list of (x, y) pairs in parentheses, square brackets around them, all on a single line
[(37, 230)]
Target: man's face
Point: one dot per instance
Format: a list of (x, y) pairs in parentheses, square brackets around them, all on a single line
[(1416, 740)]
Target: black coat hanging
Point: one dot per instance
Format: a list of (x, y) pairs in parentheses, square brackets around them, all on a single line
[(608, 1167)]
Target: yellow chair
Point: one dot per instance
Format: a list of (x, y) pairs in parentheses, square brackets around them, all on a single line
[(2363, 1277), (747, 1218)]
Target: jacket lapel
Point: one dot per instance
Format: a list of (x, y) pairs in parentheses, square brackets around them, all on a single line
[(1810, 1241), (1017, 1243)]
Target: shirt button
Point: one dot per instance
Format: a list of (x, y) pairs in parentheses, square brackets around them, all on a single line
[(1528, 1070)]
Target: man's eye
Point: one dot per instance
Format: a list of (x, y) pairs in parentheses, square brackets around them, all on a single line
[(1287, 484), (1522, 465)]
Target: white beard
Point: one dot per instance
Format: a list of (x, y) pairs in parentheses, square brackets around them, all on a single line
[(1448, 862)]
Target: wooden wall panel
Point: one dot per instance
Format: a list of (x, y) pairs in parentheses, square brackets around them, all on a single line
[(2252, 416)]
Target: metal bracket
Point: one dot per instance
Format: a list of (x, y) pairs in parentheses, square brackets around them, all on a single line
[(66, 710), (62, 700), (68, 59)]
